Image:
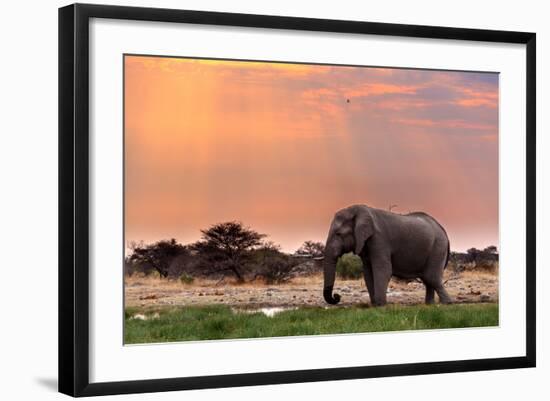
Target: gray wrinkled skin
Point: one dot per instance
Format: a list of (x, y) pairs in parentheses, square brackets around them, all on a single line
[(407, 246)]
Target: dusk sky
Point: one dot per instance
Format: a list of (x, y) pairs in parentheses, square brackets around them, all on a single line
[(279, 147)]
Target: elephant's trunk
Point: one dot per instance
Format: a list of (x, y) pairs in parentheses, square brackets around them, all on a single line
[(330, 276), (329, 297)]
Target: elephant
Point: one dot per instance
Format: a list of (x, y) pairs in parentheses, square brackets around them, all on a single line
[(407, 246)]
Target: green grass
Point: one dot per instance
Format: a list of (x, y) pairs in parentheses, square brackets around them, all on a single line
[(220, 322)]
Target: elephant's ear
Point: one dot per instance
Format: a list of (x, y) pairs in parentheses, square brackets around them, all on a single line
[(363, 230)]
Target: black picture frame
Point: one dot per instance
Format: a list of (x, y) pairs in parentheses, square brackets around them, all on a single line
[(74, 202)]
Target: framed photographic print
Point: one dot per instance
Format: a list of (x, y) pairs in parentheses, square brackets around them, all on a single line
[(251, 199)]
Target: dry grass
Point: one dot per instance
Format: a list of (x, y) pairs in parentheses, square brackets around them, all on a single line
[(479, 274), (145, 291), (156, 282)]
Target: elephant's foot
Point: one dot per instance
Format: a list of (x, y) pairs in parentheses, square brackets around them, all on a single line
[(430, 292), (444, 297), (446, 301), (442, 293), (378, 302)]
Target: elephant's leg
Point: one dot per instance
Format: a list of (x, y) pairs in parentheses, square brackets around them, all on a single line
[(381, 271), (433, 277), (369, 279), (444, 297), (430, 294)]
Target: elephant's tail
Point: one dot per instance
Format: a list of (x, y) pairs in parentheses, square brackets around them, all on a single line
[(448, 253)]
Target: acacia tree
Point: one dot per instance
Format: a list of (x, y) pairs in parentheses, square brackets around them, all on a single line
[(491, 249), (311, 248), (473, 253), (272, 265), (159, 255), (226, 246), (487, 255)]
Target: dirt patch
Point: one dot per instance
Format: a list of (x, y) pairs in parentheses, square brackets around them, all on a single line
[(466, 287)]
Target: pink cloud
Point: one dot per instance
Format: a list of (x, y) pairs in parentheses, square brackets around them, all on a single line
[(444, 123), (478, 98)]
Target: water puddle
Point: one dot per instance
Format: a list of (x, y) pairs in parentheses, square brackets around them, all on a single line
[(269, 311), (141, 316)]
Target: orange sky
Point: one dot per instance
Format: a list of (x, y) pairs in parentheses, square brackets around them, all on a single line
[(279, 147)]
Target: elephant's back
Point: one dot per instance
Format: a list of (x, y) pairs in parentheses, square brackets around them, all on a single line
[(430, 220), (441, 244), (421, 236), (419, 230)]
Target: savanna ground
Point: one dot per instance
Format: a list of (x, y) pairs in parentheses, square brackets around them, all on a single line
[(161, 310)]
